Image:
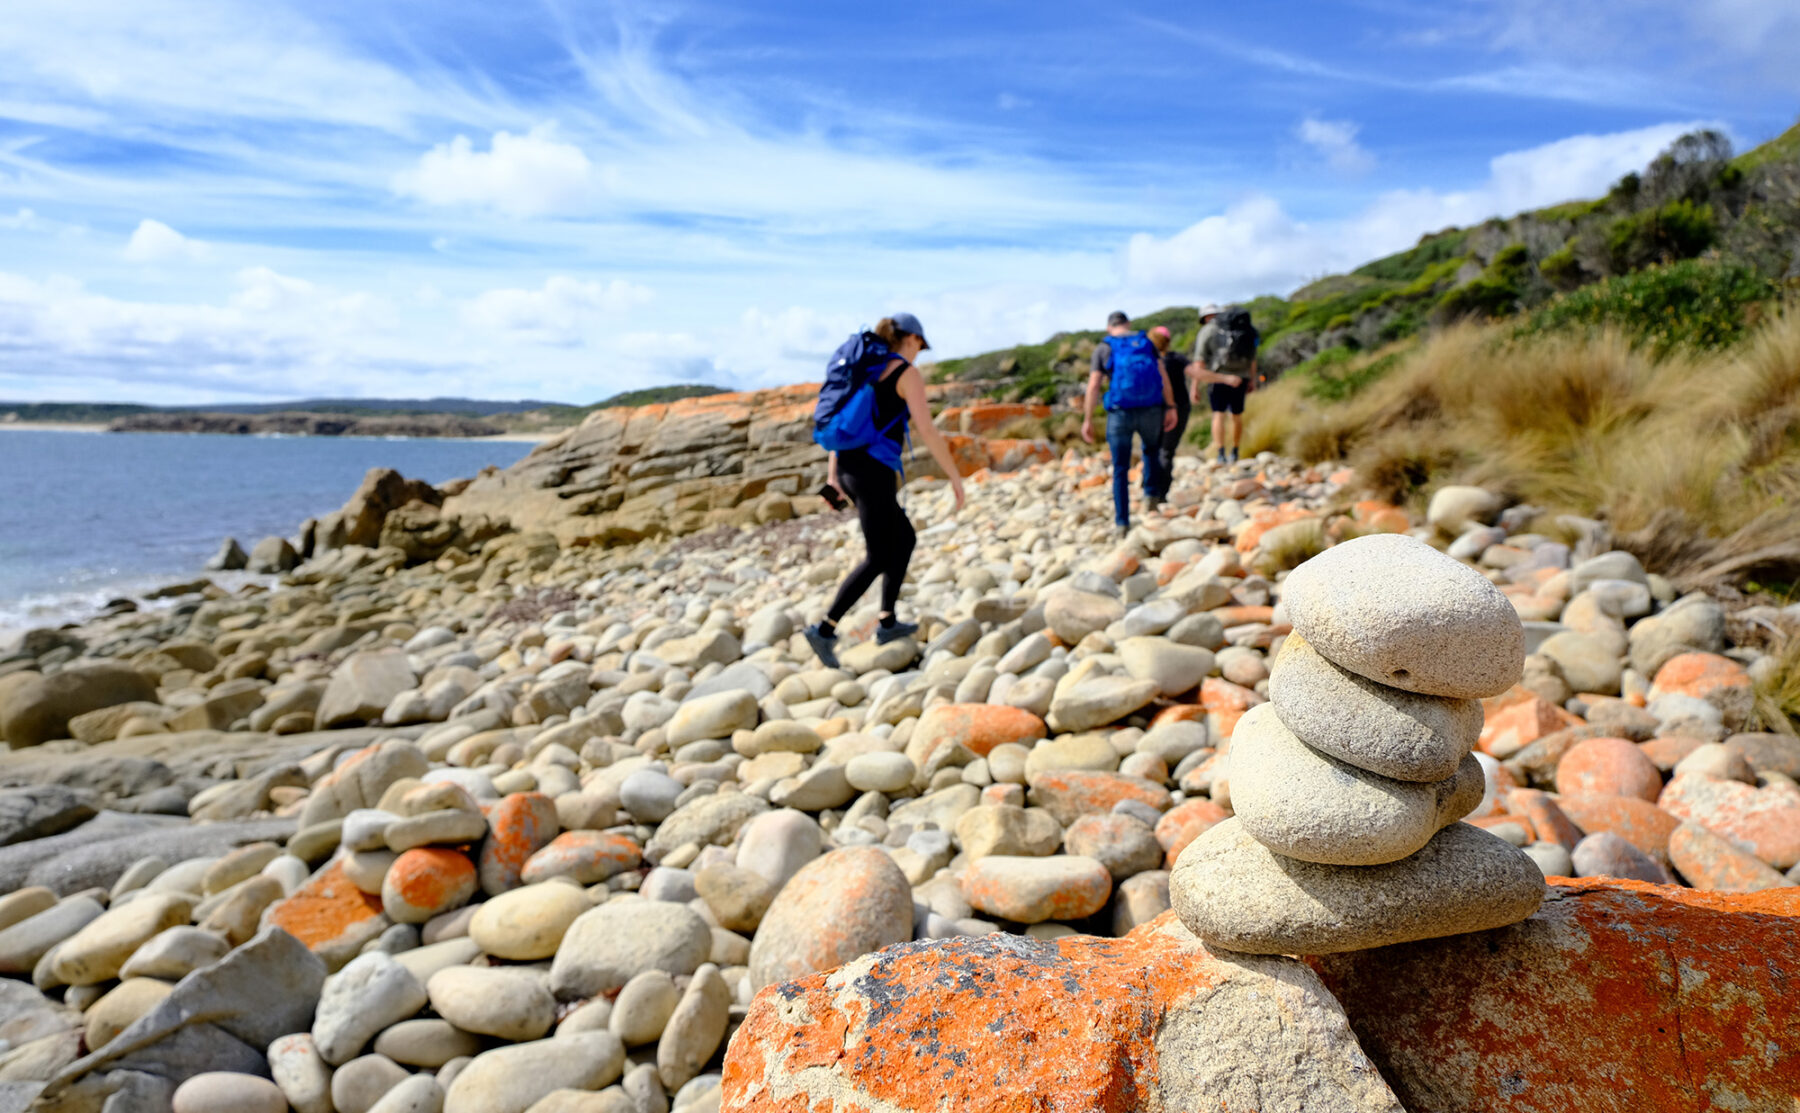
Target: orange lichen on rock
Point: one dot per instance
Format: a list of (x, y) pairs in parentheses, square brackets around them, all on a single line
[(328, 911), (1184, 823), (1179, 713), (520, 825), (1638, 822), (1225, 704), (1516, 725), (1708, 676), (1080, 1025), (1068, 793), (1265, 520), (979, 726), (1615, 996), (983, 418)]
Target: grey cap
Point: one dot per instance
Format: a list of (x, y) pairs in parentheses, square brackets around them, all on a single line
[(906, 322), (1209, 311), (1117, 317)]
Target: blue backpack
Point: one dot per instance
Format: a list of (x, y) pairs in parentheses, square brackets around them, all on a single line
[(1137, 377), (845, 416)]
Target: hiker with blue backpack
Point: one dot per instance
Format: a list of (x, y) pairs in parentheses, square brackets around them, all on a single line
[(871, 390), (1139, 403)]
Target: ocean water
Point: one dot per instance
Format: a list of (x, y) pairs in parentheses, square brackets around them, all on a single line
[(88, 517)]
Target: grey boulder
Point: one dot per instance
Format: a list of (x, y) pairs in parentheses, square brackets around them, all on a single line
[(1236, 894)]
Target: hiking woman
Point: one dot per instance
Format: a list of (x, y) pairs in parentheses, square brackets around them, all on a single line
[(871, 477)]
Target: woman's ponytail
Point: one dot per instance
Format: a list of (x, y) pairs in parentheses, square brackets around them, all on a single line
[(888, 331)]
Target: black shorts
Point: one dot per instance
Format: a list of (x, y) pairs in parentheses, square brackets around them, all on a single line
[(1225, 399)]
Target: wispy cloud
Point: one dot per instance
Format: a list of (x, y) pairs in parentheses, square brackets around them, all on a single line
[(534, 174), (1335, 141), (156, 242)]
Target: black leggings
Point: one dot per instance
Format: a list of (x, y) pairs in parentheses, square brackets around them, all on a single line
[(874, 488)]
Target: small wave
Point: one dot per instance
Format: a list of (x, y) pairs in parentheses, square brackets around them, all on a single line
[(61, 608)]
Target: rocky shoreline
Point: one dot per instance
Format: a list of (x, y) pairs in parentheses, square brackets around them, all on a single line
[(501, 801)]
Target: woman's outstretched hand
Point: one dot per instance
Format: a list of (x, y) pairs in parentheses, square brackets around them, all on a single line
[(956, 491)]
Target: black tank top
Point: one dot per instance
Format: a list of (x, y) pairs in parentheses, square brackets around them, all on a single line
[(889, 406)]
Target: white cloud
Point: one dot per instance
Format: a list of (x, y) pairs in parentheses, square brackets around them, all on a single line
[(1336, 141), (24, 218), (156, 242), (1256, 246), (563, 311), (534, 174)]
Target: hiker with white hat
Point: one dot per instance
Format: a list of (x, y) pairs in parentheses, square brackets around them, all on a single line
[(1220, 360)]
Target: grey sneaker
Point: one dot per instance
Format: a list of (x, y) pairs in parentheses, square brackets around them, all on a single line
[(886, 634), (823, 645)]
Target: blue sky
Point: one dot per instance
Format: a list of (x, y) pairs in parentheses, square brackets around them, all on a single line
[(204, 200)]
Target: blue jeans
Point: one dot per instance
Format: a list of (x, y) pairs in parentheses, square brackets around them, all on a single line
[(1144, 423)]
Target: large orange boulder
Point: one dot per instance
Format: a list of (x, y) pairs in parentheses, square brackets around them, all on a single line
[(1151, 1022), (1615, 997), (1608, 767)]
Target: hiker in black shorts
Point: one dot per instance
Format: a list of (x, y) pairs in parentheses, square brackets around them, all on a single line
[(1232, 376), (871, 477)]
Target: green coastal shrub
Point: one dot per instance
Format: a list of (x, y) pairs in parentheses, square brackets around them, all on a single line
[(1694, 303), (1678, 230)]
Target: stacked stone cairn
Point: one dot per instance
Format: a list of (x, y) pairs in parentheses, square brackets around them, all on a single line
[(1349, 784)]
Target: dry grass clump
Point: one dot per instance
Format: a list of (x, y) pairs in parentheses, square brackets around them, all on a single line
[(1287, 547), (1778, 693), (1693, 458)]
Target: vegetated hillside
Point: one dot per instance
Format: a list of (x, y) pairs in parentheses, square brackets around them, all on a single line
[(512, 415), (1698, 231), (556, 415), (73, 413)]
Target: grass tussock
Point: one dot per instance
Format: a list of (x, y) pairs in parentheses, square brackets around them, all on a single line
[(1286, 548), (1691, 455), (1778, 693)]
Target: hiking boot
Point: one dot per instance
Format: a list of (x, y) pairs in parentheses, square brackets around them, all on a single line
[(1234, 455), (894, 632), (1221, 460), (824, 646), (1122, 532)]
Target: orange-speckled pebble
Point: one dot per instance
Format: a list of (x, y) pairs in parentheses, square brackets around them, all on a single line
[(1638, 822), (1067, 793), (329, 914), (588, 857), (1184, 823), (519, 826), (426, 881), (1032, 890), (1608, 767), (1718, 680), (978, 726), (1764, 821), (1225, 704)]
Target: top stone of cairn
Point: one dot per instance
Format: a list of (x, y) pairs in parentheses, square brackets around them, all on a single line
[(1397, 611)]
